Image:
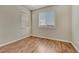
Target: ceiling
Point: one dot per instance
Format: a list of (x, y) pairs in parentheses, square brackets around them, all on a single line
[(33, 7)]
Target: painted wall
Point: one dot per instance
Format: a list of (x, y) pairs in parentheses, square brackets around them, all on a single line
[(63, 23), (11, 23), (75, 26)]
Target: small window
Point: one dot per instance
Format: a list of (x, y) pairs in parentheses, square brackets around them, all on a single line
[(47, 19)]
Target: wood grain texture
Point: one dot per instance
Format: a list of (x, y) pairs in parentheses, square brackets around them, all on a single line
[(38, 45)]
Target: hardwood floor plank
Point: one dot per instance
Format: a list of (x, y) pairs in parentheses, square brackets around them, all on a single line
[(38, 45)]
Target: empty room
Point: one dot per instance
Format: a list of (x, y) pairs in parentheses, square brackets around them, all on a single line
[(39, 29)]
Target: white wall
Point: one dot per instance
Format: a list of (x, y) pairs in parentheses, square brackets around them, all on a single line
[(63, 29), (10, 23), (75, 26)]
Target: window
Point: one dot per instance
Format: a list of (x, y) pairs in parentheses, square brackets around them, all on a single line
[(47, 18)]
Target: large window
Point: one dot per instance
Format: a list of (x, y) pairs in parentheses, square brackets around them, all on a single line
[(47, 18)]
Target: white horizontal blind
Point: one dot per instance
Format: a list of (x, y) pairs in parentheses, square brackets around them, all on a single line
[(47, 18)]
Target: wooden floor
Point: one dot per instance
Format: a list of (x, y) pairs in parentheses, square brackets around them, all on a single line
[(38, 45)]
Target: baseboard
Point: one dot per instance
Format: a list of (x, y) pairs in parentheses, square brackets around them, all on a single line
[(4, 44), (53, 38), (75, 46)]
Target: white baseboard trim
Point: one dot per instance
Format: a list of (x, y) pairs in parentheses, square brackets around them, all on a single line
[(53, 38), (4, 44), (75, 46)]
